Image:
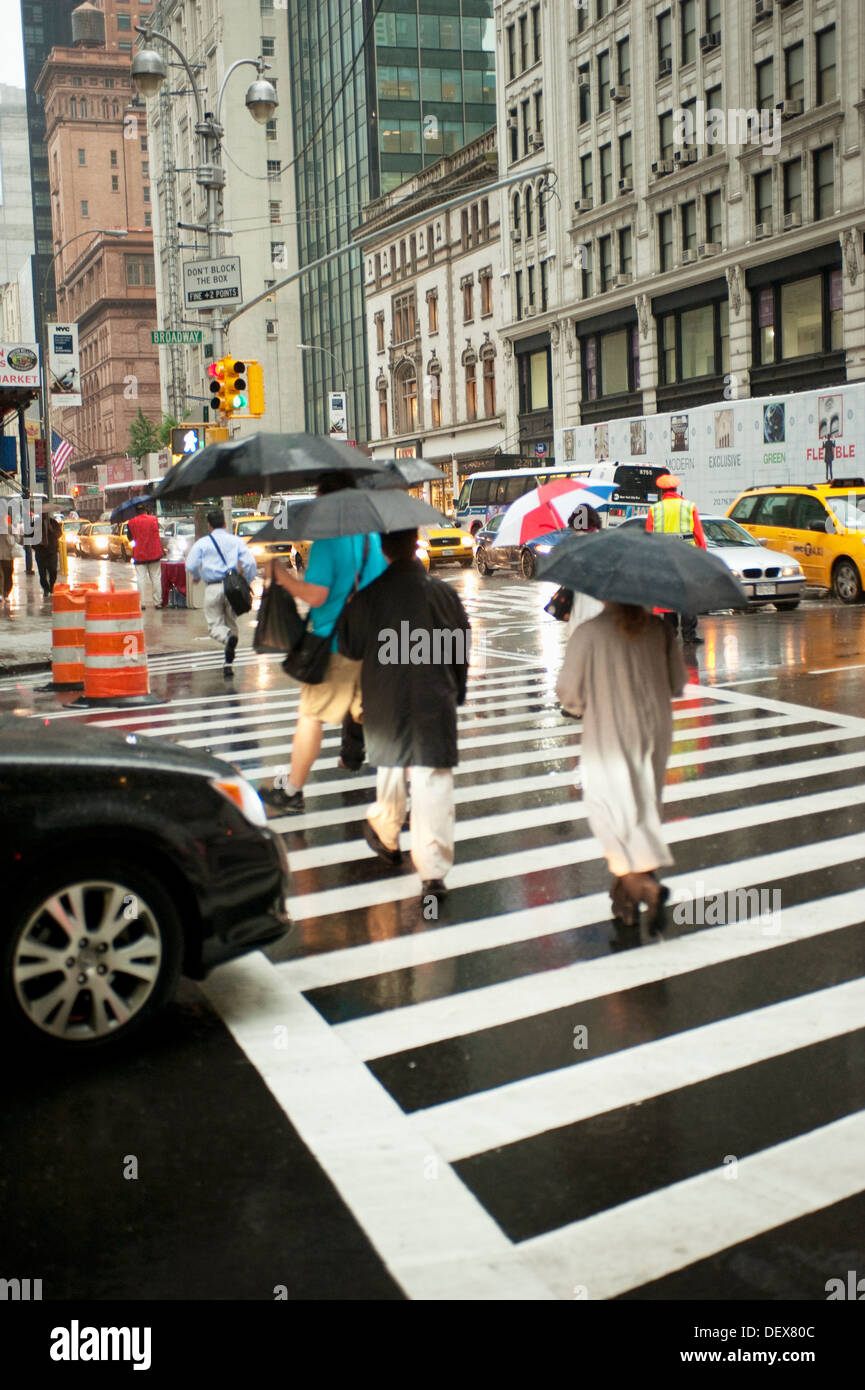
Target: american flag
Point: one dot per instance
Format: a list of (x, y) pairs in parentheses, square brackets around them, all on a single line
[(60, 451)]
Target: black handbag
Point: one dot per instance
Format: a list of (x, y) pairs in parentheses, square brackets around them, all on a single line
[(238, 593), (280, 627), (308, 661), (560, 605)]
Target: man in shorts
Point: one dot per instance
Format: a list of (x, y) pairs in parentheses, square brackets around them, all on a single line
[(326, 586)]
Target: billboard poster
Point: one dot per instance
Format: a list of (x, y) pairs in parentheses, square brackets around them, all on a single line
[(338, 414), (19, 365), (64, 368)]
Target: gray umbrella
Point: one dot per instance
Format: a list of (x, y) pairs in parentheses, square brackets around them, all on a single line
[(350, 512), (261, 463), (402, 473), (639, 567)]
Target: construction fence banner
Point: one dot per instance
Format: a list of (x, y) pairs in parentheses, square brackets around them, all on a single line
[(720, 449)]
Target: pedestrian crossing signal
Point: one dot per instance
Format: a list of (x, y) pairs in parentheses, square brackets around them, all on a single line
[(187, 439)]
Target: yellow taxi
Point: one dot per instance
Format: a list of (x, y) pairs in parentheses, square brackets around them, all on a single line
[(445, 545), (247, 526), (821, 524)]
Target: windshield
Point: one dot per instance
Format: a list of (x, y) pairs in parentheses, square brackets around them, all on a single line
[(850, 510), (726, 533), (102, 528), (249, 528)]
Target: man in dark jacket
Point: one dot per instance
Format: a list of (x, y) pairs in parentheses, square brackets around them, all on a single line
[(413, 636), (47, 550)]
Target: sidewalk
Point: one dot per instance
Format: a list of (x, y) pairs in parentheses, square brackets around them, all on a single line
[(25, 630)]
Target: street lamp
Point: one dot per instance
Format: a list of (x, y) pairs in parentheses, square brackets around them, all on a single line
[(313, 347), (46, 394)]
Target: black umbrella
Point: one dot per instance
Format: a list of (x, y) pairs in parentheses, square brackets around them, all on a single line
[(349, 512), (129, 507), (402, 473), (261, 462), (640, 567)]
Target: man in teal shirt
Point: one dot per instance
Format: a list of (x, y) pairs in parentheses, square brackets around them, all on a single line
[(330, 576)]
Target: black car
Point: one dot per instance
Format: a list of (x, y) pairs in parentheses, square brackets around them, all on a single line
[(125, 863), (489, 557)]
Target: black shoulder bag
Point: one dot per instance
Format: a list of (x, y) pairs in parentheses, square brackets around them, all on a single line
[(307, 662), (238, 594)]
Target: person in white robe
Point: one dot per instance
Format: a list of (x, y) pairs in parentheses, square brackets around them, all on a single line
[(620, 673)]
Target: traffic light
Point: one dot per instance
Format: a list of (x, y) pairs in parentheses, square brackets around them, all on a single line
[(218, 386), (235, 386), (255, 377)]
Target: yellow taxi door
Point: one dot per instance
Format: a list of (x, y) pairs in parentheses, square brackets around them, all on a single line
[(809, 543), (773, 521)]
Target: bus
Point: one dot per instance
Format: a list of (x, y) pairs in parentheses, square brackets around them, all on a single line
[(485, 493)]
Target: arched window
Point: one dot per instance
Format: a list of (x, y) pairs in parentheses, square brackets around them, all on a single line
[(529, 213), (104, 110), (470, 364), (434, 368), (115, 109), (381, 388), (542, 208), (405, 383), (73, 107), (489, 364), (516, 206), (83, 107)]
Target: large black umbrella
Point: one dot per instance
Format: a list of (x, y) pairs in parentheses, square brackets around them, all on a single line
[(349, 512), (402, 473), (129, 507), (261, 462), (640, 567)]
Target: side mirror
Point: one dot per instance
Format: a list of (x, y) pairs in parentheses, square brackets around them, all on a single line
[(818, 526)]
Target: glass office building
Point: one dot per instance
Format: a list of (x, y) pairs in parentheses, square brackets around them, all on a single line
[(423, 86)]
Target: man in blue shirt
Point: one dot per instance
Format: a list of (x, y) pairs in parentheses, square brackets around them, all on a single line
[(327, 585), (210, 559)]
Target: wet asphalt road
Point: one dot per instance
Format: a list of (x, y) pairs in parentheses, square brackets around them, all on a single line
[(436, 1125)]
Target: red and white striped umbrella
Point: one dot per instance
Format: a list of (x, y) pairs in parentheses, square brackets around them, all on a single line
[(547, 508)]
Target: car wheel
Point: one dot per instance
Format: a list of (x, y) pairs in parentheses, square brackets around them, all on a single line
[(93, 952), (786, 604), (481, 562), (846, 582), (528, 564)]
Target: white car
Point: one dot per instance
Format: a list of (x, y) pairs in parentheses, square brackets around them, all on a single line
[(767, 576)]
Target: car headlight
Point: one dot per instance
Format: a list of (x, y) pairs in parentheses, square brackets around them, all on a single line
[(242, 795), (737, 574), (543, 549), (420, 554), (257, 550), (465, 540), (789, 570)]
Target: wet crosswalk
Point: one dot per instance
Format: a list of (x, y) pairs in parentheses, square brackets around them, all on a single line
[(515, 1098)]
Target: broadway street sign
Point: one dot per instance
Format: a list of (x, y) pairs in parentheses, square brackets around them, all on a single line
[(166, 337)]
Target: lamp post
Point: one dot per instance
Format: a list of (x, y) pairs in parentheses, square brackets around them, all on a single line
[(313, 347), (46, 392), (148, 73)]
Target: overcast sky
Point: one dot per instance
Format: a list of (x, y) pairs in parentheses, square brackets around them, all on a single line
[(11, 49)]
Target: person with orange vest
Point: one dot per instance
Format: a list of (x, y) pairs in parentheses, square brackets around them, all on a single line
[(675, 516)]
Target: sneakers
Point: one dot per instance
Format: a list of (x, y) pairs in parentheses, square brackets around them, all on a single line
[(279, 800), (391, 857), (230, 649)]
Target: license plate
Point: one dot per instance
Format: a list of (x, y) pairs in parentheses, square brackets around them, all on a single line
[(447, 552), (760, 589)]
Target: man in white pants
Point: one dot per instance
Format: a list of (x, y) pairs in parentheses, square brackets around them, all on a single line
[(210, 559), (412, 634)]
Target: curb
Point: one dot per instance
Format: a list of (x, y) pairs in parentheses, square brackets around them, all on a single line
[(27, 668)]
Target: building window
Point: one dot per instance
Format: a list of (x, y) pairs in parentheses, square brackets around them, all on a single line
[(124, 23), (536, 42), (542, 207), (113, 157), (603, 82), (586, 177), (115, 183), (798, 318), (84, 208), (145, 172), (827, 85), (406, 388), (144, 144), (665, 135), (608, 363), (512, 52), (763, 198), (468, 300), (379, 332), (489, 369), (516, 215), (713, 16), (793, 187), (694, 342), (140, 270), (514, 128), (824, 182), (435, 390), (534, 381), (544, 287), (524, 43), (606, 153), (530, 286), (584, 92), (794, 72), (689, 226), (524, 117), (275, 214), (587, 278), (145, 193), (626, 252), (268, 46), (270, 130), (518, 293), (713, 103), (148, 219), (471, 392), (765, 73), (801, 303), (712, 209), (486, 283), (665, 43), (626, 158), (539, 114), (689, 30), (530, 214), (605, 261), (82, 158), (404, 320), (274, 168), (623, 63), (665, 240)]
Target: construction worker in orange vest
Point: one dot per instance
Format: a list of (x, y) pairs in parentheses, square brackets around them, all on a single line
[(675, 516)]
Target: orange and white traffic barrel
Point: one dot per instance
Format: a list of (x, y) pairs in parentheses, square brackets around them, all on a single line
[(67, 636), (115, 659)]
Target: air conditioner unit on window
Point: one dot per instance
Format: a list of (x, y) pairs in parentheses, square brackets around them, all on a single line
[(516, 234), (688, 257), (626, 185), (763, 9), (529, 311), (709, 41), (583, 79), (665, 67), (536, 141), (792, 219), (621, 280), (512, 123), (583, 205), (620, 93), (788, 109), (762, 229), (709, 248), (662, 166), (688, 154)]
